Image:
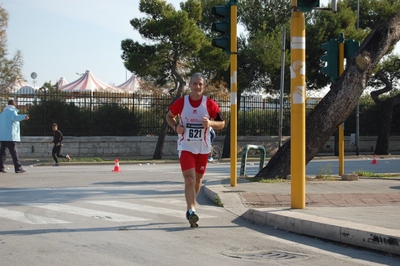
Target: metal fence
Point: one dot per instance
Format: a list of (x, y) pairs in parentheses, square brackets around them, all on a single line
[(119, 114)]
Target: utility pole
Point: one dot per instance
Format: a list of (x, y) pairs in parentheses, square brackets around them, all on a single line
[(298, 110)]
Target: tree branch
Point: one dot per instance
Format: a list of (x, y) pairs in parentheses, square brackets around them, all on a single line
[(375, 94)]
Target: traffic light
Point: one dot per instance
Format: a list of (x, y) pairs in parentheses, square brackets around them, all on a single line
[(331, 57), (222, 26), (350, 47), (307, 5)]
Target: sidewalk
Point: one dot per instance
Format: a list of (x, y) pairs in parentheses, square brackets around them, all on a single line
[(362, 213)]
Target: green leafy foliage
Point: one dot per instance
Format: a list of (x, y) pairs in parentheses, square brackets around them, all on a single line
[(114, 121), (10, 68), (146, 115), (259, 55), (177, 47), (43, 114)]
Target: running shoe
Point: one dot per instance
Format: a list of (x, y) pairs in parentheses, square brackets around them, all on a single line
[(20, 171), (192, 218)]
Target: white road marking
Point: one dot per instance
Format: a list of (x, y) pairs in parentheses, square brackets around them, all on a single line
[(183, 203), (144, 208), (28, 218), (108, 216)]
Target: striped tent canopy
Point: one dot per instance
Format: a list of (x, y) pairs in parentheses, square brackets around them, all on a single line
[(16, 85), (62, 82), (26, 90), (88, 82), (131, 85)]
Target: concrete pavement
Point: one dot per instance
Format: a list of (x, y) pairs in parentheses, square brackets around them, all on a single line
[(362, 213)]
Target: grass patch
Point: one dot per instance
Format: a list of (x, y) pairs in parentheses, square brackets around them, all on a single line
[(372, 174), (85, 160), (125, 160), (323, 178), (364, 173), (218, 201), (324, 172), (266, 180)]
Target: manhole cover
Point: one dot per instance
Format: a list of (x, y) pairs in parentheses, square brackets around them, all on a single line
[(267, 255)]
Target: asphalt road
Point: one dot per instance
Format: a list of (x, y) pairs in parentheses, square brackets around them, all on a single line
[(331, 166), (89, 215)]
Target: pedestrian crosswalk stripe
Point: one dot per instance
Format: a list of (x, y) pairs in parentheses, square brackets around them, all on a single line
[(144, 208), (28, 218), (168, 201), (183, 203), (109, 216)]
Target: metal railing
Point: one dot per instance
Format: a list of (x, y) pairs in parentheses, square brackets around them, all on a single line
[(124, 114)]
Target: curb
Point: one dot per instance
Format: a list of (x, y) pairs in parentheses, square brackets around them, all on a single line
[(225, 198), (351, 233), (366, 236)]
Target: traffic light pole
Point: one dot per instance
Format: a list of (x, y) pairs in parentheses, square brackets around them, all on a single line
[(233, 74), (228, 43), (297, 120)]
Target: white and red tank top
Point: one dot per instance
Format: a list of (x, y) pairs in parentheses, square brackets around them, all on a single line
[(195, 138)]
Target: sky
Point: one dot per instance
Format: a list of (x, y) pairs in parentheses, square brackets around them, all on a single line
[(64, 38), (60, 38)]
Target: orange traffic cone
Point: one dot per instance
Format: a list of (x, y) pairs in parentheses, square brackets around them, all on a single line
[(116, 166), (374, 161)]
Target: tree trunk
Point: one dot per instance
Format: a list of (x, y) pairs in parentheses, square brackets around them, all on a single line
[(163, 132), (340, 101), (226, 153), (387, 105), (157, 155), (382, 143)]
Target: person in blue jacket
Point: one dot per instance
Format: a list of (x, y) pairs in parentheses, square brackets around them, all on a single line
[(10, 135)]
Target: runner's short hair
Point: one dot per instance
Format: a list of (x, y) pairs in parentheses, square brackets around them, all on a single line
[(198, 75)]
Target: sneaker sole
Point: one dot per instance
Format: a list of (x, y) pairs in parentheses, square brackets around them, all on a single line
[(194, 225), (193, 221)]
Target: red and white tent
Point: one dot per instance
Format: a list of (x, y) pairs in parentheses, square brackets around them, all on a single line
[(16, 85), (131, 85), (88, 82), (62, 82), (26, 90)]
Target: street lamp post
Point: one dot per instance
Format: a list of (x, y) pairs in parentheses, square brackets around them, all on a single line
[(358, 104), (44, 89)]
